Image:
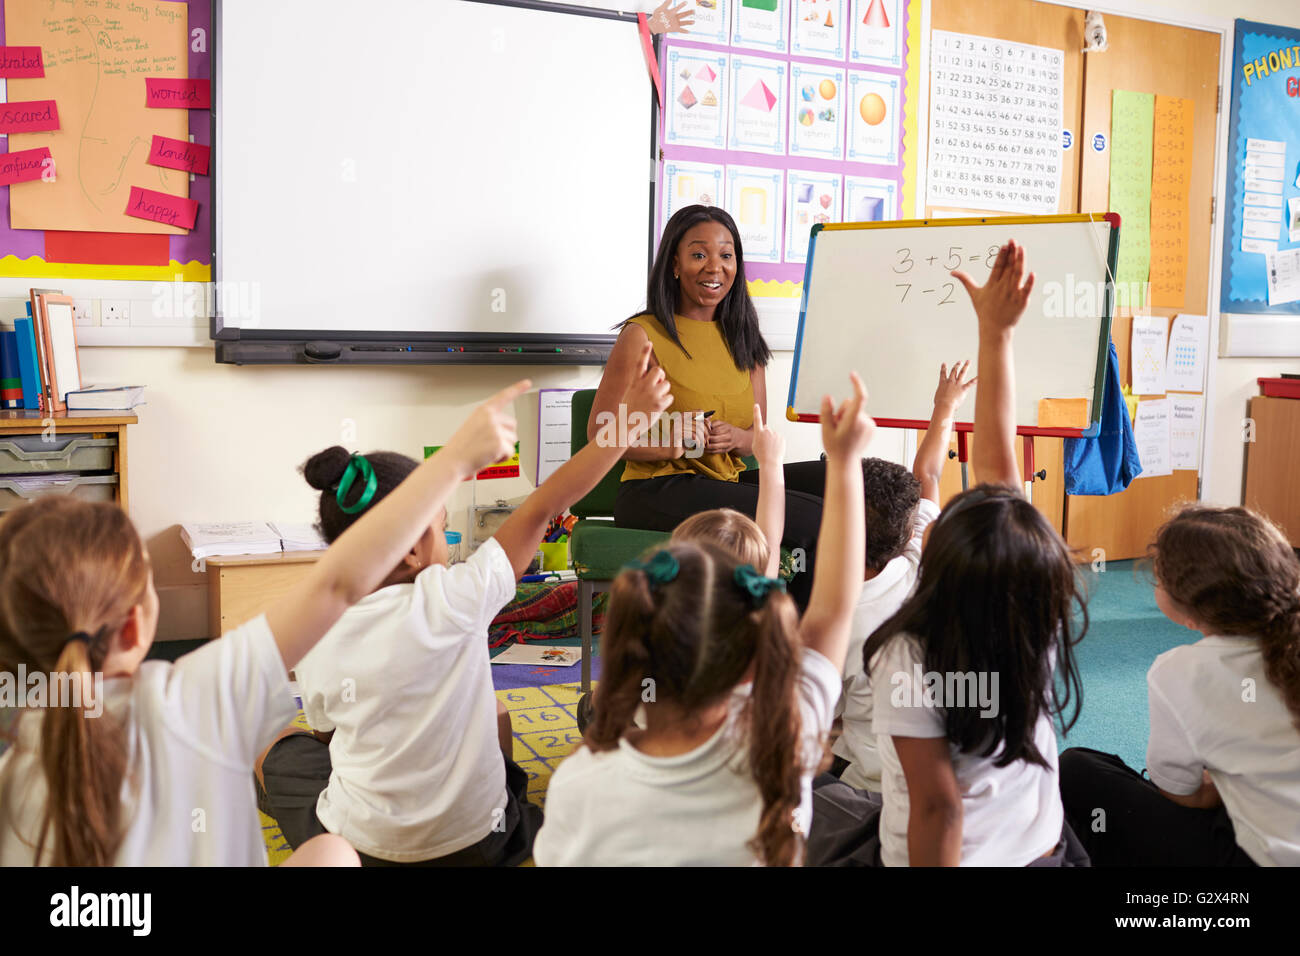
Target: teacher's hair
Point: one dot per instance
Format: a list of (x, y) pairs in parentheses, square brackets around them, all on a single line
[(736, 316)]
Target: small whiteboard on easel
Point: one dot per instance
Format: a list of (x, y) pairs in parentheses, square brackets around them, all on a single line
[(879, 299)]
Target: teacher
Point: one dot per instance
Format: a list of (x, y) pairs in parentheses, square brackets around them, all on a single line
[(703, 329)]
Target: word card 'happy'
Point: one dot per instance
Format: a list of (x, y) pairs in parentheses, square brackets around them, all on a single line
[(162, 207)]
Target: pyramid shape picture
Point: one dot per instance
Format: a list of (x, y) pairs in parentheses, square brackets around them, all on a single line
[(876, 16), (759, 97), (706, 74)]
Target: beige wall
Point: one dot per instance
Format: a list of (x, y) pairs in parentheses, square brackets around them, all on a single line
[(221, 442)]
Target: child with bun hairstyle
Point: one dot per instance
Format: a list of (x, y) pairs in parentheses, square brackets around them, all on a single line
[(402, 683), (1224, 752), (124, 772), (737, 693)]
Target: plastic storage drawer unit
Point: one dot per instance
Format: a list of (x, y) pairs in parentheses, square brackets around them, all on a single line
[(34, 454), (15, 492)]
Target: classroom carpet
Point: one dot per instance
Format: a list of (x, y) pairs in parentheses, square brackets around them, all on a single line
[(1126, 633)]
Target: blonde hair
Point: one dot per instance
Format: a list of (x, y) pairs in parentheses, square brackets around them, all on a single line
[(729, 530), (67, 568)]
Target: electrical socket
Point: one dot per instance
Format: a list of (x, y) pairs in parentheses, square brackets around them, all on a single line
[(114, 312), (83, 312)]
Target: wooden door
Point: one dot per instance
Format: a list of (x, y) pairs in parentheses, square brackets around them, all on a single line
[(1060, 28), (1169, 61)]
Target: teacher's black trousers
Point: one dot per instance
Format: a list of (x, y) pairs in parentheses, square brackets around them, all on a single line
[(661, 504)]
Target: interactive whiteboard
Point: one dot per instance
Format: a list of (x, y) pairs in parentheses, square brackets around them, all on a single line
[(401, 170), (879, 299)]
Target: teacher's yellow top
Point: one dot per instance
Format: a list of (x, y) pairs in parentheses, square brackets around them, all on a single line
[(704, 379)]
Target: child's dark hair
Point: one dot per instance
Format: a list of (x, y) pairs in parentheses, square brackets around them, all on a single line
[(892, 493), (1236, 573), (71, 573), (324, 470), (996, 593), (696, 637)]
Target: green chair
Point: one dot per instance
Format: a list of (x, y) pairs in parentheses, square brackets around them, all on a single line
[(598, 548)]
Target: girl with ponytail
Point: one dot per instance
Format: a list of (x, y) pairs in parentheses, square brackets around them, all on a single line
[(146, 762), (1224, 751), (738, 696)]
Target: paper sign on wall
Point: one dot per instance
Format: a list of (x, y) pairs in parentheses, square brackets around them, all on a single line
[(1150, 336), (554, 424), (97, 79), (1185, 361), (1151, 434), (1185, 432)]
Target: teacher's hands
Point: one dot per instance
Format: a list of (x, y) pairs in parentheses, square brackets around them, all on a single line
[(724, 437)]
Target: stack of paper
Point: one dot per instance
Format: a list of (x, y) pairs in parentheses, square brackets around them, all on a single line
[(298, 537), (211, 539)]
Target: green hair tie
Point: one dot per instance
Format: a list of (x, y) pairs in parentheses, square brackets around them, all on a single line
[(755, 585), (660, 569), (357, 465)]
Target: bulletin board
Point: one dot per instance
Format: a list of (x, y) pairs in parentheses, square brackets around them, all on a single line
[(789, 114), (1263, 199), (96, 62)]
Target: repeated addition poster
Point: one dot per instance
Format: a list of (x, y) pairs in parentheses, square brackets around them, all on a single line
[(818, 29), (757, 105), (696, 108), (816, 111)]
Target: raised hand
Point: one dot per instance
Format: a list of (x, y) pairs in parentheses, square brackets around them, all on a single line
[(1001, 301), (847, 430), (489, 433), (953, 386), (668, 18), (769, 445)]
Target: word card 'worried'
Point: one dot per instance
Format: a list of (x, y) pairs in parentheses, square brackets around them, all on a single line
[(162, 93)]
